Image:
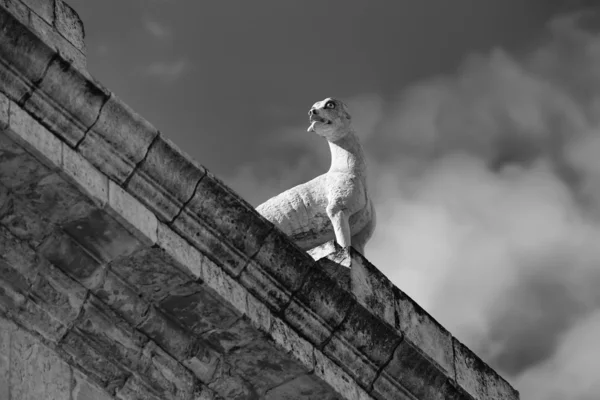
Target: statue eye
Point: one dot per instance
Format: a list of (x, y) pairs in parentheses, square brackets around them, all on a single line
[(330, 104)]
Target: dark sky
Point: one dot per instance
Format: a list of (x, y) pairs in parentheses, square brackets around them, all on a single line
[(216, 75)]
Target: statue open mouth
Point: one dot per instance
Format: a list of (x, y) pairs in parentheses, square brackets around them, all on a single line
[(313, 119)]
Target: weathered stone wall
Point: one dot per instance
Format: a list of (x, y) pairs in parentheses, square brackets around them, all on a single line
[(30, 371), (139, 312)]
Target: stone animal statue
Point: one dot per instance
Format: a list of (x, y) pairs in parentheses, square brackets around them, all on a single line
[(335, 205)]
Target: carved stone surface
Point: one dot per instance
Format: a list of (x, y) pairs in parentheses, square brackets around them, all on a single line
[(335, 205)]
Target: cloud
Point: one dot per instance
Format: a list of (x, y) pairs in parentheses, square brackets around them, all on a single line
[(167, 71), (487, 189), (156, 29), (573, 371)]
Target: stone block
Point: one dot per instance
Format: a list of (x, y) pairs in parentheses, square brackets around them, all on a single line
[(66, 254), (410, 371), (210, 242), (189, 258), (102, 236), (17, 166), (36, 371), (25, 57), (477, 378), (118, 140), (197, 309), (263, 366), (233, 387), (337, 378), (425, 332), (54, 201), (132, 214), (152, 272), (22, 222), (337, 272), (15, 294), (308, 323), (82, 173), (17, 253), (136, 389), (167, 376), (304, 387), (258, 313), (66, 101), (13, 288), (121, 297), (83, 389), (372, 288), (69, 25), (166, 179), (36, 319), (58, 294), (362, 370), (227, 213), (57, 42), (322, 294), (204, 362), (265, 288), (363, 333), (168, 334), (385, 389), (234, 337), (110, 335), (284, 261), (43, 8), (224, 285), (291, 342), (277, 270)]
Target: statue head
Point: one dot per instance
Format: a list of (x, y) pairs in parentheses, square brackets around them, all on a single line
[(329, 118)]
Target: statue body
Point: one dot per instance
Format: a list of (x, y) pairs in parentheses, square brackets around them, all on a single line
[(335, 205)]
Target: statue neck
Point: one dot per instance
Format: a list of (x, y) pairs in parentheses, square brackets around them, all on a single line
[(347, 155)]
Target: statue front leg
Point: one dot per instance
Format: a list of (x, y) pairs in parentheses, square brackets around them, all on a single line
[(341, 227)]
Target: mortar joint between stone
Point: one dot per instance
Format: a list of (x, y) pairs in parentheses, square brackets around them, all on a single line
[(251, 257), (36, 84), (188, 200), (336, 329), (139, 163), (285, 382), (385, 364), (106, 99), (79, 316)]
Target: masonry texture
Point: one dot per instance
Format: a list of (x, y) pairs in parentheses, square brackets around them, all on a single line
[(129, 271)]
